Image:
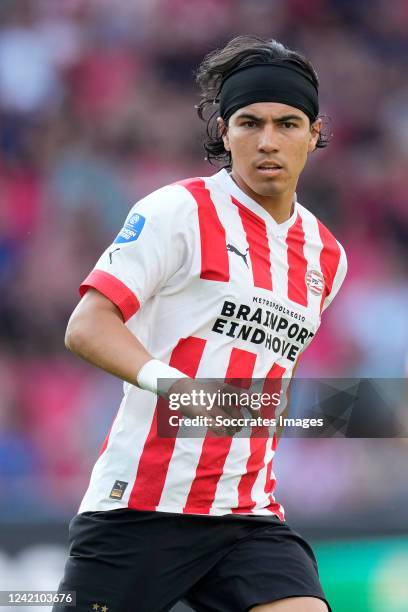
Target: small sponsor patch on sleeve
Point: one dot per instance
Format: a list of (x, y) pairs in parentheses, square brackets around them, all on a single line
[(118, 489), (131, 230)]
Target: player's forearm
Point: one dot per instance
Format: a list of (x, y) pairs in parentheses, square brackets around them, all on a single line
[(107, 343)]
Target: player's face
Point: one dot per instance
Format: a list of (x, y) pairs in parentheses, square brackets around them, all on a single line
[(269, 144)]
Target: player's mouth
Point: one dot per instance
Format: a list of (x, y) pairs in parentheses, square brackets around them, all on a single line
[(269, 168)]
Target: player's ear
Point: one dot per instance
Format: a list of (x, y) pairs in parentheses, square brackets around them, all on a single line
[(314, 134), (223, 132)]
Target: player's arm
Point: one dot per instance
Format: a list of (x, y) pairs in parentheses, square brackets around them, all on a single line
[(97, 333)]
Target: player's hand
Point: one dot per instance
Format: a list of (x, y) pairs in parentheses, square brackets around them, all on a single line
[(200, 393)]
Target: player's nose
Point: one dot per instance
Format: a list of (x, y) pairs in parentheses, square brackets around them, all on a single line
[(268, 139)]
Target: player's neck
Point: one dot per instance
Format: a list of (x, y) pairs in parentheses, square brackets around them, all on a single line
[(280, 207)]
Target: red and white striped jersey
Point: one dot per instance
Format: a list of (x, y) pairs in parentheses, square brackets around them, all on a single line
[(212, 285)]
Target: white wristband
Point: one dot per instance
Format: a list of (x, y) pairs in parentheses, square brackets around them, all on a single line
[(155, 370)]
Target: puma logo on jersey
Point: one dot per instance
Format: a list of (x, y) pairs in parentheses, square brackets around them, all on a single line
[(111, 253), (232, 249)]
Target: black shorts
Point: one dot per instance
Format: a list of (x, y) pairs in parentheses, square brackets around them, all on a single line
[(131, 561)]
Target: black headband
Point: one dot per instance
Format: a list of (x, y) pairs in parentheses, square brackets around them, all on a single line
[(275, 81)]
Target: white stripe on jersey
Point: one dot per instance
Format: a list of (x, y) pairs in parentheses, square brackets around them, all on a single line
[(226, 494), (312, 248), (279, 261), (181, 472)]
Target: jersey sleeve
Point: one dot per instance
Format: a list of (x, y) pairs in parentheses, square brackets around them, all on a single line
[(154, 243), (338, 278)]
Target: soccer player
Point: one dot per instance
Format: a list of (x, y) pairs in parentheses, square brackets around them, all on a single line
[(226, 277)]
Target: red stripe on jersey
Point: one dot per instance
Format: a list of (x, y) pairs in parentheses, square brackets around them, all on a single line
[(259, 252), (112, 288), (258, 442), (157, 452), (297, 263), (329, 259), (215, 450), (214, 255)]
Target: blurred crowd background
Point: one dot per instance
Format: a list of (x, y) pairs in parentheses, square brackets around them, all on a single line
[(97, 110)]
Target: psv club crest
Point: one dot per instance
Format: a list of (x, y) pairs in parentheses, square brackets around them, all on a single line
[(315, 281)]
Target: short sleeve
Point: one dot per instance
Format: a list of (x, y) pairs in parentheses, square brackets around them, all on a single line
[(152, 246), (338, 278)]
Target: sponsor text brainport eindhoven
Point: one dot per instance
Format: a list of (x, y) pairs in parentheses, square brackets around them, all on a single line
[(250, 323)]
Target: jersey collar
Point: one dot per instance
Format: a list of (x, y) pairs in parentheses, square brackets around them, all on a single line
[(228, 184)]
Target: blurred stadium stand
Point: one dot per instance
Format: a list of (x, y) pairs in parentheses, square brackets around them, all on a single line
[(96, 110)]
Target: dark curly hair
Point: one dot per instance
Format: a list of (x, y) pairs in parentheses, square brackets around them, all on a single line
[(240, 51)]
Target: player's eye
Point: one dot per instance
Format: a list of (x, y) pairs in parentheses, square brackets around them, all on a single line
[(249, 123), (289, 124)]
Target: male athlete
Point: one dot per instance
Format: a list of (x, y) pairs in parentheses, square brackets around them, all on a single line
[(224, 277)]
